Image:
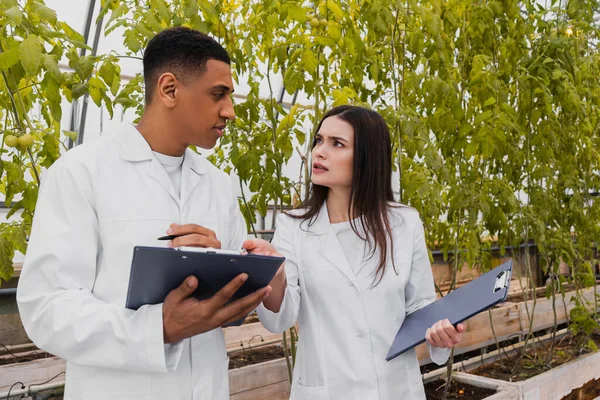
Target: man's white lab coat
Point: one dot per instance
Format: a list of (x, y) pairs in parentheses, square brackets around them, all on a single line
[(96, 203)]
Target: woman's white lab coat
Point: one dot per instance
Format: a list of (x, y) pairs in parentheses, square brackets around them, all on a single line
[(96, 203), (347, 323)]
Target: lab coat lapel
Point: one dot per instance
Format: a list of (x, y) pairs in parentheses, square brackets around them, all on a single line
[(133, 147), (331, 248), (193, 168)]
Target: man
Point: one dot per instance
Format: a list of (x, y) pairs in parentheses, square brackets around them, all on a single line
[(103, 198)]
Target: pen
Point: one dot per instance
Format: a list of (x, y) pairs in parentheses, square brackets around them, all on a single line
[(168, 237)]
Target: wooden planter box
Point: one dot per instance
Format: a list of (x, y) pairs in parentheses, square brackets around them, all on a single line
[(268, 380), (31, 372), (550, 385)]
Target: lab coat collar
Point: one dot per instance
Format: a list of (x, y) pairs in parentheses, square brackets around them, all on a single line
[(331, 248), (133, 147)]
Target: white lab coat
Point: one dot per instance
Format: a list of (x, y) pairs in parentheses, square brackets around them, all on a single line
[(96, 203), (347, 323)]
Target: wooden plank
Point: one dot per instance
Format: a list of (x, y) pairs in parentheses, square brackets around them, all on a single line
[(275, 391), (257, 375), (31, 372), (247, 335)]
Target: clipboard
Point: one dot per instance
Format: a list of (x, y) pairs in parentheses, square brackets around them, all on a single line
[(155, 271), (459, 305)]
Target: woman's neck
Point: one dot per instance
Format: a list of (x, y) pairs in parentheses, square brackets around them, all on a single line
[(338, 201)]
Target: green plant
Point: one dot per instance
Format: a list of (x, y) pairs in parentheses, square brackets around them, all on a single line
[(32, 86)]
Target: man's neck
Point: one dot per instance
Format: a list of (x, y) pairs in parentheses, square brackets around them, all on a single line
[(156, 129)]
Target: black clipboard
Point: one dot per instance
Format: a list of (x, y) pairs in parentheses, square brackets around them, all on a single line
[(155, 271), (459, 305)]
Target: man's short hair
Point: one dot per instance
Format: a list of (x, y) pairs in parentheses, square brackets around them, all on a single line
[(181, 51)]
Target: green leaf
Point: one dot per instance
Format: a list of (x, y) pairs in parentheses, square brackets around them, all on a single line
[(489, 102), (30, 54), (297, 13), (9, 58), (51, 66), (334, 8), (131, 41), (6, 256), (482, 117), (79, 89), (71, 134), (45, 13), (52, 92), (14, 15), (97, 89)]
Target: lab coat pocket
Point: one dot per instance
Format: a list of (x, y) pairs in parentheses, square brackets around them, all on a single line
[(301, 392)]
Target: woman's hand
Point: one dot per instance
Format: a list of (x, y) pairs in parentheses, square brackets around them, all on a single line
[(260, 246), (279, 282), (443, 334)]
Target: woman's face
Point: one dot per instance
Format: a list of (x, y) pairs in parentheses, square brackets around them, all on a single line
[(333, 154)]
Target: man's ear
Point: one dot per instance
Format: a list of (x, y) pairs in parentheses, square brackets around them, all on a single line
[(167, 87)]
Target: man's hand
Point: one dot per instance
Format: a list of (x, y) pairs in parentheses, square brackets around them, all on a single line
[(185, 316), (443, 334), (193, 235)]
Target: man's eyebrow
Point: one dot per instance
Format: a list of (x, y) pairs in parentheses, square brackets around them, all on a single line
[(224, 88)]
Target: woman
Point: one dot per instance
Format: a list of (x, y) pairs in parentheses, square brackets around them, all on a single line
[(356, 265)]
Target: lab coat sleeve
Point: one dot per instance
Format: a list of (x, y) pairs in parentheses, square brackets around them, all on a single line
[(58, 309), (420, 290), (288, 313)]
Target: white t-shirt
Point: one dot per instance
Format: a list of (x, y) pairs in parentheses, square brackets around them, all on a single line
[(172, 166), (352, 244)]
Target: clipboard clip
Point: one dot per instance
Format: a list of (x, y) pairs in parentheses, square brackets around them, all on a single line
[(502, 280)]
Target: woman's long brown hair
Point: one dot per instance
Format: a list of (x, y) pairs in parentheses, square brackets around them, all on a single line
[(371, 191)]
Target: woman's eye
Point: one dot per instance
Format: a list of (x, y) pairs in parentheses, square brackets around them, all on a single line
[(338, 144), (318, 140)]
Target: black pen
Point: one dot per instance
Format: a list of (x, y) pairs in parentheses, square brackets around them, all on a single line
[(169, 237)]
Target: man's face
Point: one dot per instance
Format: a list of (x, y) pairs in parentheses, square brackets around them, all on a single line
[(204, 105)]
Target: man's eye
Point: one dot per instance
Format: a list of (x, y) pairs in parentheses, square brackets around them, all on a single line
[(219, 95)]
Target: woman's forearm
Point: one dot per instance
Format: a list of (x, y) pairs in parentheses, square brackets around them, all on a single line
[(278, 285)]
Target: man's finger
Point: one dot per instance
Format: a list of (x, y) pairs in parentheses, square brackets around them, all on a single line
[(187, 287), (222, 296), (188, 229), (243, 306), (196, 240)]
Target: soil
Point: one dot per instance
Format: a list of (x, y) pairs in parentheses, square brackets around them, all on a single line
[(589, 391), (35, 355), (516, 368), (435, 390), (255, 356)]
